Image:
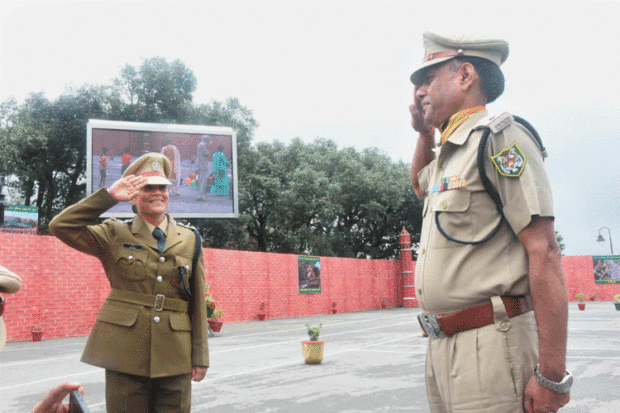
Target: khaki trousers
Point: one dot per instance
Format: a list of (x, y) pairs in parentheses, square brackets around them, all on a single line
[(126, 393), (484, 370)]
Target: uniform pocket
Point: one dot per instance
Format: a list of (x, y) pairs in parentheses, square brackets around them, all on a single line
[(121, 316), (130, 264), (180, 322), (451, 215)]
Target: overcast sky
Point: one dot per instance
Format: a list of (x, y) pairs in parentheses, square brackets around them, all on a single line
[(340, 70)]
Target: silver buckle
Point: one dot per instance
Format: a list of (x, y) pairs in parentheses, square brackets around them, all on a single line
[(159, 302), (430, 324)]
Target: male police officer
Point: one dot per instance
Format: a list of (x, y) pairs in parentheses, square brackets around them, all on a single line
[(151, 333), (484, 265)]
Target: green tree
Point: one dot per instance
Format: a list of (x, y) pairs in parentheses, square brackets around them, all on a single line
[(316, 199), (157, 91)]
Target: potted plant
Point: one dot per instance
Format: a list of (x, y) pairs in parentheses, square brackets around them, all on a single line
[(215, 325), (37, 332), (383, 302), (210, 304), (617, 301), (313, 349), (593, 297), (334, 311), (581, 299), (261, 312)]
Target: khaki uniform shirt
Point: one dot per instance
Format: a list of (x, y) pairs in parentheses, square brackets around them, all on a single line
[(130, 337), (450, 276)]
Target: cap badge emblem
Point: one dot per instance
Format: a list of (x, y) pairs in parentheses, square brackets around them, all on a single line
[(156, 166)]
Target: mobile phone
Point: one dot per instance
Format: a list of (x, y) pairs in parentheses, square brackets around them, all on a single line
[(77, 403)]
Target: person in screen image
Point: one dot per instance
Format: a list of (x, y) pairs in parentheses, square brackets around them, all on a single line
[(103, 167), (202, 158), (172, 153), (220, 170), (126, 161)]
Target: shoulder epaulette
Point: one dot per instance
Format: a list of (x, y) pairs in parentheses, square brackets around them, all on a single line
[(496, 122), (186, 225)]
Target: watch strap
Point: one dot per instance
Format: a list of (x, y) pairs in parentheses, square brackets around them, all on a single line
[(561, 387)]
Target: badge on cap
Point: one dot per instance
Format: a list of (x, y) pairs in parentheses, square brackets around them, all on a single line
[(156, 166), (510, 162)]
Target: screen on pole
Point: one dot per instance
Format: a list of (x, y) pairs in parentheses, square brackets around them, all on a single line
[(203, 158)]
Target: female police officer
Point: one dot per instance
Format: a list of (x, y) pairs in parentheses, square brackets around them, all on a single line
[(151, 334)]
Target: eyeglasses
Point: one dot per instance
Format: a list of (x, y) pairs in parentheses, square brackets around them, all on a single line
[(1, 306)]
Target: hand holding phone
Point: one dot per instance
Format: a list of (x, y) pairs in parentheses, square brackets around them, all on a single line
[(77, 403)]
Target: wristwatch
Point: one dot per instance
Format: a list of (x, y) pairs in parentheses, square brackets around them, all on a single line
[(561, 387)]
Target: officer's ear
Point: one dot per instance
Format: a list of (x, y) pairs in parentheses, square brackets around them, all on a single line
[(468, 75)]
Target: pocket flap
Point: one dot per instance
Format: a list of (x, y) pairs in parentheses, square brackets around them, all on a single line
[(180, 322), (452, 201), (131, 255), (126, 317)]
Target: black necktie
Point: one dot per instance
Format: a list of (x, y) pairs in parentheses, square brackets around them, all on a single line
[(161, 239)]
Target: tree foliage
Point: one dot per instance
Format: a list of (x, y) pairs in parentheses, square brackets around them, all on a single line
[(294, 198)]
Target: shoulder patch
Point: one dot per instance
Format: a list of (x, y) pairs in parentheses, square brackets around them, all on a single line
[(510, 162), (496, 122)]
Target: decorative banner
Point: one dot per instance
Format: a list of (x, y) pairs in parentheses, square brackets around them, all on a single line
[(607, 269), (309, 274), (21, 216)]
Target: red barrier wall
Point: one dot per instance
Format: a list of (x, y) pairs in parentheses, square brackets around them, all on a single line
[(64, 289)]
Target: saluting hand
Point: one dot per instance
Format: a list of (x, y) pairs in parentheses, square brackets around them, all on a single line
[(126, 188), (417, 117)]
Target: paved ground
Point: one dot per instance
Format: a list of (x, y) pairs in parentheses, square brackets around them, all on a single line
[(374, 362)]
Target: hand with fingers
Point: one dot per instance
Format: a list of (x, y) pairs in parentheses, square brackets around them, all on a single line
[(417, 116), (541, 400), (126, 188), (52, 402)]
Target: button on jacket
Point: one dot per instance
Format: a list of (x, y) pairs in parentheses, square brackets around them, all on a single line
[(131, 336), (450, 276)]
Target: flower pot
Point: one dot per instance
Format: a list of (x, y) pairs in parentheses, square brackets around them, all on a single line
[(37, 335), (312, 351), (334, 311), (215, 326), (383, 306), (617, 306), (582, 306), (261, 316)]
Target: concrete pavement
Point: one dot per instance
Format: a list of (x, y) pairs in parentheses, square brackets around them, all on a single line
[(374, 362)]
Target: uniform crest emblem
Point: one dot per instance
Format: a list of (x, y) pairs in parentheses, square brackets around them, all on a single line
[(510, 162), (156, 166)]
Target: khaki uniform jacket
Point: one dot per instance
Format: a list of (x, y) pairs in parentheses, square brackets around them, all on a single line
[(131, 336), (450, 276)]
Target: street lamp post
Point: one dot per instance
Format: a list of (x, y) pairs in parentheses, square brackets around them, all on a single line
[(601, 239)]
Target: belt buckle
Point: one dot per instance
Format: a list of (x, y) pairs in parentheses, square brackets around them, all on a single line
[(159, 302), (430, 324)]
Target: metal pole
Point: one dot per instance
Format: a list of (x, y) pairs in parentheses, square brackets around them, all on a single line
[(611, 247)]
